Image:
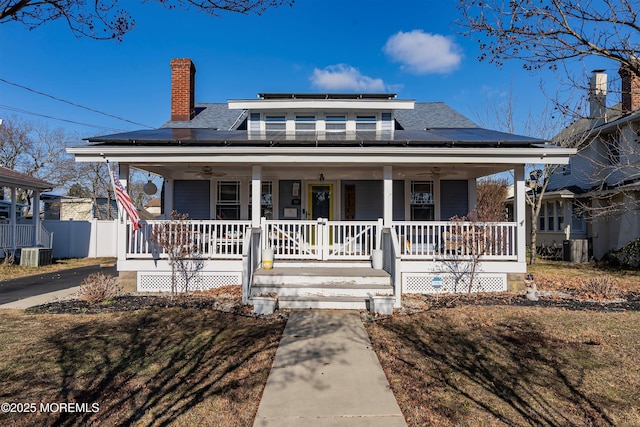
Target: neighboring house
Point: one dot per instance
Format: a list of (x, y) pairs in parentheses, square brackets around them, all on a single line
[(323, 180), (604, 176), (154, 207), (78, 208), (13, 235)]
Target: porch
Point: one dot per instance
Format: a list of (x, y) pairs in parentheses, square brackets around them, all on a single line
[(327, 264)]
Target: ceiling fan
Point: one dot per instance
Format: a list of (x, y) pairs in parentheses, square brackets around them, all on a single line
[(206, 172), (434, 172)]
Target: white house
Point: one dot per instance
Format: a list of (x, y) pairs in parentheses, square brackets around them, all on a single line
[(604, 176), (325, 180)]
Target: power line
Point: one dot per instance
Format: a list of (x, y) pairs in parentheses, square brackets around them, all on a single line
[(18, 110), (73, 103)]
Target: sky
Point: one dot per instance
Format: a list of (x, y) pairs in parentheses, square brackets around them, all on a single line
[(411, 48)]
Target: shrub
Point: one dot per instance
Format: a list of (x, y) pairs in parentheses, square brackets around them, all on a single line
[(627, 256), (600, 288), (98, 287)]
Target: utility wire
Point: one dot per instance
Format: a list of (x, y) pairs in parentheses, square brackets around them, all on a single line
[(74, 104), (17, 110)]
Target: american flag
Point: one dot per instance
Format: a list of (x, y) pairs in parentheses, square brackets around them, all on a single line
[(124, 200)]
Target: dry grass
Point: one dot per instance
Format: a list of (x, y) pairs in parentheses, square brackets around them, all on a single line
[(563, 276), (514, 366), (150, 367), (14, 271)]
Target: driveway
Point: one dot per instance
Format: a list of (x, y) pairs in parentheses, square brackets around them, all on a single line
[(41, 284)]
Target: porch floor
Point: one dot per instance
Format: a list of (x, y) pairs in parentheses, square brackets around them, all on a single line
[(322, 287)]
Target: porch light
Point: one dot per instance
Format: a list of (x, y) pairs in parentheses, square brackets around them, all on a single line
[(150, 188), (321, 176)]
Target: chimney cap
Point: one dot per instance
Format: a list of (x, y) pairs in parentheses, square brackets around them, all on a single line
[(598, 71)]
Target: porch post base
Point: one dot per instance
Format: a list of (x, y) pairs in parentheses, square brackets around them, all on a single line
[(128, 281), (515, 282)]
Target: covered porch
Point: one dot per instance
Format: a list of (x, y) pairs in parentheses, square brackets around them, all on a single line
[(15, 234), (330, 206)]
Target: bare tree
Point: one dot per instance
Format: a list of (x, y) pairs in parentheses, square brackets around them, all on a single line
[(36, 150), (178, 241), (549, 33), (104, 19)]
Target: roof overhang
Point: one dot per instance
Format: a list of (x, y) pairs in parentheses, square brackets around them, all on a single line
[(321, 104), (15, 179), (322, 155)]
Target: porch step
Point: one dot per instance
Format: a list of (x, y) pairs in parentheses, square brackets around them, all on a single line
[(339, 303), (322, 287)]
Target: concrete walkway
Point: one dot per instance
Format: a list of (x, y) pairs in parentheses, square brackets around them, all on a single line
[(326, 374), (29, 291)]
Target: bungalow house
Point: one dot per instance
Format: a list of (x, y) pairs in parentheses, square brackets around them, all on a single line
[(13, 235), (596, 197), (327, 182)]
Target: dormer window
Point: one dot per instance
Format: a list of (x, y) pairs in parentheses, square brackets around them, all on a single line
[(305, 123), (336, 123), (275, 123), (366, 123)]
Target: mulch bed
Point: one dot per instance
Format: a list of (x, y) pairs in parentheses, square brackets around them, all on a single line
[(229, 300), (624, 302)]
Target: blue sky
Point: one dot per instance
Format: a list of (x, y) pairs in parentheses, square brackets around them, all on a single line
[(410, 48)]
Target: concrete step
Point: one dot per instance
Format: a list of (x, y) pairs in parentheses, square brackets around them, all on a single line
[(360, 290), (334, 303), (322, 276)]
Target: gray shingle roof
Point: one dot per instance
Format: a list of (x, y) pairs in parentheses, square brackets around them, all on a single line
[(432, 115), (424, 115)]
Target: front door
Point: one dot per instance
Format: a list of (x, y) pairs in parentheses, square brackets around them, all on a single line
[(321, 201)]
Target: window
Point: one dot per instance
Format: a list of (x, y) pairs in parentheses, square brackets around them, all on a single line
[(386, 121), (577, 217), (228, 206), (266, 200), (305, 123), (275, 123), (421, 203), (365, 123), (551, 217), (336, 123), (254, 122)]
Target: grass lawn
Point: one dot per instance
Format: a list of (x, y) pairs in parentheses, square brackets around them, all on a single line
[(475, 365), (149, 367), (12, 271), (512, 366)]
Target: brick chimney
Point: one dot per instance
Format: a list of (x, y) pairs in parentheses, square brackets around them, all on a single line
[(598, 96), (183, 83), (630, 89)]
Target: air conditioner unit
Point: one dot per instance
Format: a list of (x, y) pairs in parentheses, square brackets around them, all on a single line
[(34, 257)]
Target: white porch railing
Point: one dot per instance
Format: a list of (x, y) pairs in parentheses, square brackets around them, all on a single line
[(321, 239), (338, 240), (443, 239), (213, 239), (24, 236)]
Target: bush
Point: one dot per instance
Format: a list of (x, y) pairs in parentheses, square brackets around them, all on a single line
[(600, 288), (627, 256), (98, 287)]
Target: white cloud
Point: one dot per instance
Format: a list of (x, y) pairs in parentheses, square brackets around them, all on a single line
[(345, 77), (423, 53)]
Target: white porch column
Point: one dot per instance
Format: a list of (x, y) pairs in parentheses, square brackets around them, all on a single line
[(472, 191), (256, 192), (12, 218), (168, 198), (520, 212), (388, 195), (123, 175), (35, 209)]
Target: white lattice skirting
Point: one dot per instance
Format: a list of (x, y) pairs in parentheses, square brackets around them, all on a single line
[(421, 283), (161, 282)]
